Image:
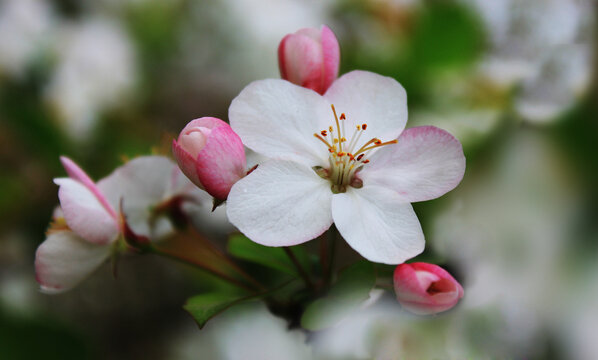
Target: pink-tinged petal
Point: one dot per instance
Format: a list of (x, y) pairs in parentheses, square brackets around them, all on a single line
[(281, 203), (221, 163), (372, 99), (426, 163), (426, 288), (64, 259), (332, 57), (278, 119), (375, 223), (76, 173), (84, 213)]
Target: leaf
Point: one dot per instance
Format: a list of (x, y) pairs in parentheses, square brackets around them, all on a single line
[(241, 247), (348, 293), (205, 306)]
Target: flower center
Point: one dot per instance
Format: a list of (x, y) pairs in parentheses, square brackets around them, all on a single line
[(346, 157)]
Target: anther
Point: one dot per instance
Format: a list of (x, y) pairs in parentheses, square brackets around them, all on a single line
[(364, 126), (324, 133), (360, 157), (342, 116)]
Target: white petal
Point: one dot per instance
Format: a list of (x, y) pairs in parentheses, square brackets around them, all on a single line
[(142, 183), (64, 259), (377, 224), (372, 99), (84, 214), (426, 163), (278, 119), (281, 203)]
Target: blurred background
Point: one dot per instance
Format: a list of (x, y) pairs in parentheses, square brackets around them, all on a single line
[(514, 80)]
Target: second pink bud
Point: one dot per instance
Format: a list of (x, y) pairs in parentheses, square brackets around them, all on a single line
[(211, 155), (310, 58), (426, 289)]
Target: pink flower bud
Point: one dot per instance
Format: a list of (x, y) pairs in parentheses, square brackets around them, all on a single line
[(211, 155), (310, 58), (425, 289)]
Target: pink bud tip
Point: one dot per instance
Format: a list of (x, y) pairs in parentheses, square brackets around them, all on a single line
[(310, 58), (426, 289), (211, 155)]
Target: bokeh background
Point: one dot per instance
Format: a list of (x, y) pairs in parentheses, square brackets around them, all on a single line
[(103, 81)]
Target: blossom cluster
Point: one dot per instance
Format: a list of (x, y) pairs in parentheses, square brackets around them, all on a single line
[(334, 150)]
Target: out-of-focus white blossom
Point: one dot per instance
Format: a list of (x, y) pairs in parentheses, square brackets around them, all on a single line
[(507, 228), (528, 41), (95, 72), (25, 27), (385, 331), (244, 333), (562, 79)]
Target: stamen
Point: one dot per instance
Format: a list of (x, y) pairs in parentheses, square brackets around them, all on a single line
[(338, 127), (345, 162), (378, 144), (322, 140)]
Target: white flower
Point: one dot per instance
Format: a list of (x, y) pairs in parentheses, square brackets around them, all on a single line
[(25, 26), (95, 72), (354, 170), (88, 223)]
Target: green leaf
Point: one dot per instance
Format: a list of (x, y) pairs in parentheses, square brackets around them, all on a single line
[(205, 306), (241, 247), (348, 293)]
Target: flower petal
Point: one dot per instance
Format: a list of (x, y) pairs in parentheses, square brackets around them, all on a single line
[(84, 213), (141, 183), (76, 173), (377, 224), (426, 163), (64, 259), (281, 203), (365, 97), (278, 119)]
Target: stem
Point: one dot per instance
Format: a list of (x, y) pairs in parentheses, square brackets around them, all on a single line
[(300, 269), (189, 261), (332, 238), (324, 255)]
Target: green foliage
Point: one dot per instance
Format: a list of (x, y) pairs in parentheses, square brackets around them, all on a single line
[(348, 293), (446, 34), (205, 306), (241, 247)]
